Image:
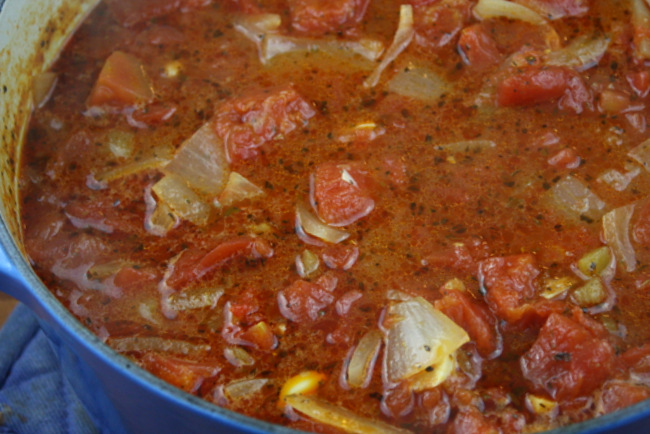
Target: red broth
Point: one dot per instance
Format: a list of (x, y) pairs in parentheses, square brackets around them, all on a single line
[(426, 217)]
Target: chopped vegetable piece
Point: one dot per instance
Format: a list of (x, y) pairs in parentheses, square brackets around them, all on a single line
[(641, 28), (143, 344), (316, 17), (174, 192), (540, 405), (339, 417), (306, 263), (121, 143), (303, 301), (260, 336), (575, 196), (197, 298), (486, 9), (158, 159), (557, 286), (363, 359), (243, 388), (616, 231), (432, 377), (122, 83), (478, 48), (201, 162), (309, 224), (402, 39), (595, 262), (418, 336), (184, 374), (582, 53), (641, 154), (590, 294), (253, 247), (159, 217), (419, 83), (305, 383), (238, 357), (368, 49), (556, 9), (237, 189)]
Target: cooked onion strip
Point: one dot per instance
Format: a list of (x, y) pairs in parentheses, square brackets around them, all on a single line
[(616, 231), (339, 417), (486, 9), (275, 45), (419, 83), (201, 162), (159, 217), (582, 53), (182, 200), (311, 225), (363, 359), (237, 189), (403, 37), (641, 154), (159, 158), (243, 388), (418, 336), (572, 194), (197, 298), (154, 343)]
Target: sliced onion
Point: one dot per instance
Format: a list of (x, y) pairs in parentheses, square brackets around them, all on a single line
[(154, 343), (419, 83), (158, 158), (617, 180), (238, 357), (403, 37), (339, 417), (641, 154), (197, 298), (306, 263), (107, 269), (467, 146), (237, 189), (549, 9), (201, 162), (243, 388), (486, 9), (257, 28), (275, 45), (574, 195), (43, 87), (641, 24), (311, 225), (429, 379), (159, 217), (616, 231), (582, 53), (363, 359), (182, 200), (121, 143), (418, 337)]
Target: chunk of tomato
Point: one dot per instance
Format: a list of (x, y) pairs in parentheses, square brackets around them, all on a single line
[(303, 301), (438, 23), (316, 17), (537, 85), (618, 395), (508, 282), (122, 82), (184, 374), (477, 321), (341, 193), (567, 360), (478, 48), (555, 9), (247, 123)]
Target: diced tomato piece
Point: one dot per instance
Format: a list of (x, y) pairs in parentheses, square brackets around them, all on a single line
[(618, 395), (477, 321), (184, 374), (399, 401), (509, 282), (252, 247), (537, 85), (567, 360), (303, 301), (641, 228), (317, 17), (132, 12), (105, 215), (344, 303), (130, 278), (341, 257), (478, 48), (438, 23), (261, 336), (457, 257), (247, 123), (566, 158), (470, 420), (154, 114), (640, 82), (341, 193), (122, 82), (245, 304), (636, 361), (436, 403)]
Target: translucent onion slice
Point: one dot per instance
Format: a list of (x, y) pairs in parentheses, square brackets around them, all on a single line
[(121, 143), (238, 357), (201, 162), (574, 195), (158, 158), (363, 359), (306, 263), (197, 298), (43, 87), (429, 379), (616, 231), (419, 83), (339, 417), (239, 389), (617, 180), (641, 154), (549, 9), (275, 45), (418, 337), (403, 37), (182, 200), (154, 343), (257, 28), (311, 225), (486, 9), (582, 53), (237, 189), (159, 217)]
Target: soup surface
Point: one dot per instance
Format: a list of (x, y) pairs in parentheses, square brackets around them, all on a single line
[(425, 216)]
